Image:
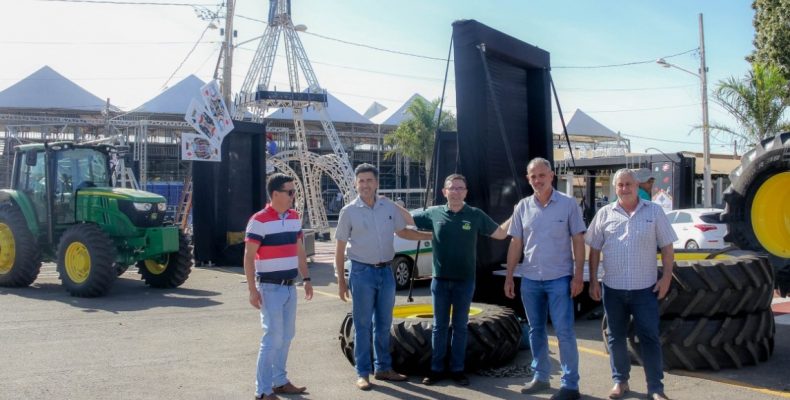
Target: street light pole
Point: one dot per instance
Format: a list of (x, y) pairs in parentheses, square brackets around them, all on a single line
[(707, 192), (703, 73)]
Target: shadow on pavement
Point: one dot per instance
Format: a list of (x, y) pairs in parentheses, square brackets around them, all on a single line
[(124, 295)]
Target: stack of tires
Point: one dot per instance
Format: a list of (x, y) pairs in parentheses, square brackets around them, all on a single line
[(717, 313), (494, 335)]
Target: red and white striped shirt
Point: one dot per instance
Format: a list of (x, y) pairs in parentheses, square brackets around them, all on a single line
[(278, 236)]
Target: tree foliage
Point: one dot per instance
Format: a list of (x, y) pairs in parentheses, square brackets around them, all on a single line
[(414, 137), (772, 34), (757, 101)]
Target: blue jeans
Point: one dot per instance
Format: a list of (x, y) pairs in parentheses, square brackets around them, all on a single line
[(373, 291), (458, 294), (541, 298), (278, 318), (619, 306)]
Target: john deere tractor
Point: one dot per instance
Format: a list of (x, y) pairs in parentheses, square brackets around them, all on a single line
[(61, 207)]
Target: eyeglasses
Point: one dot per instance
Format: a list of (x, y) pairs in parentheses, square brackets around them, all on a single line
[(455, 189), (290, 192)]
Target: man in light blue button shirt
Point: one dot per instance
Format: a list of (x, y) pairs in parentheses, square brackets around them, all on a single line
[(546, 226), (366, 226)]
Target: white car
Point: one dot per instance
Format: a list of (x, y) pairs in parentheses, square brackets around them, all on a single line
[(698, 228), (405, 251)]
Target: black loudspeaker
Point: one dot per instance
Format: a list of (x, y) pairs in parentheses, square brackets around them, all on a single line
[(503, 99), (227, 193)]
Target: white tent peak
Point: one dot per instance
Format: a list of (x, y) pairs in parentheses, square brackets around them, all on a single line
[(582, 124), (396, 117), (46, 88), (375, 108), (338, 112), (175, 99)]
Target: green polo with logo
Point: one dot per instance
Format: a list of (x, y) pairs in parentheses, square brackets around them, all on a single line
[(455, 238)]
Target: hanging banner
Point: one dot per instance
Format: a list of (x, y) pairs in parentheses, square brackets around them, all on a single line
[(196, 147), (199, 118), (217, 108)]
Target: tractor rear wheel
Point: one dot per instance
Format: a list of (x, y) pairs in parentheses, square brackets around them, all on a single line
[(756, 204), (170, 270), (19, 257), (86, 258)]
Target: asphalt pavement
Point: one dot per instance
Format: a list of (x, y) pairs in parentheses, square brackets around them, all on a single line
[(200, 341)]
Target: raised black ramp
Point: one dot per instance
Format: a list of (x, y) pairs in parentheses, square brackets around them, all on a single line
[(513, 76)]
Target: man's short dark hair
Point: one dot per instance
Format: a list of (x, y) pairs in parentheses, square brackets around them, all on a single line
[(453, 177), (365, 167), (276, 182)]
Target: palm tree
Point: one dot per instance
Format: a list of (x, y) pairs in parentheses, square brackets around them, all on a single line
[(757, 102), (414, 137)]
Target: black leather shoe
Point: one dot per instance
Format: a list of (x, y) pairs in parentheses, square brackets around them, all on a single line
[(566, 394), (460, 378), (535, 386), (432, 378)]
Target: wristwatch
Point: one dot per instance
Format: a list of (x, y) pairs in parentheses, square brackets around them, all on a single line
[(306, 279)]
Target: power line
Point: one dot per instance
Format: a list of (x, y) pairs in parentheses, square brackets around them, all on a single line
[(624, 64), (133, 3), (659, 140), (572, 89), (188, 55), (98, 43), (403, 53), (640, 109)]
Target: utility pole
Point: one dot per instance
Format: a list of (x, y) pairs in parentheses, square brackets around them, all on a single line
[(703, 73), (227, 63)]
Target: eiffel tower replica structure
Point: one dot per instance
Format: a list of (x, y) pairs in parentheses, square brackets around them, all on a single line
[(256, 98)]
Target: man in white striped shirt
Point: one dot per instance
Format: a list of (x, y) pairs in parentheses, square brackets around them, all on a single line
[(627, 232)]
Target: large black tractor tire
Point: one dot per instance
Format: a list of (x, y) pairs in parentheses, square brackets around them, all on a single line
[(494, 334), (171, 270), (713, 343), (728, 286), (756, 203), (86, 258), (19, 256)]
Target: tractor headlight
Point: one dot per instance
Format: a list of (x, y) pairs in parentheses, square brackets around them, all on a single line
[(142, 206), (162, 207)]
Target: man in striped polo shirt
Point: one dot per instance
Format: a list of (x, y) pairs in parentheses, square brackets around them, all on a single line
[(273, 252)]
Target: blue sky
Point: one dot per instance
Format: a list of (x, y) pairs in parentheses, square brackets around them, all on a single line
[(128, 52)]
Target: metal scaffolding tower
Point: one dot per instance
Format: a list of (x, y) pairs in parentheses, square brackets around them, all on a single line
[(256, 98)]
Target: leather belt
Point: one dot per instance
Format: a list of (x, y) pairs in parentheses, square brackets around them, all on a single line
[(379, 265), (283, 282)]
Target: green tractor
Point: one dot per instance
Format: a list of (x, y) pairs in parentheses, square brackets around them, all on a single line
[(62, 207)]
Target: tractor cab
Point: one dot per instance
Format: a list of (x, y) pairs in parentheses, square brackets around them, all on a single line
[(51, 175)]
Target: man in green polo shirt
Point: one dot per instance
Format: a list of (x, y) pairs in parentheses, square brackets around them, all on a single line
[(455, 228)]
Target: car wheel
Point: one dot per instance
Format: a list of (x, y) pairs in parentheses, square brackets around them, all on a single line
[(401, 267), (692, 245)]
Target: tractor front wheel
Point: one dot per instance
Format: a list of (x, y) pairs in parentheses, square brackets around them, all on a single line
[(19, 258), (169, 270), (86, 257)]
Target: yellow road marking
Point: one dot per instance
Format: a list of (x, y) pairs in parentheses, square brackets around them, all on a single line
[(325, 293), (699, 375)]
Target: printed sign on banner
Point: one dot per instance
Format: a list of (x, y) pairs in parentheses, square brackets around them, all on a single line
[(196, 147), (217, 108), (199, 118)]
